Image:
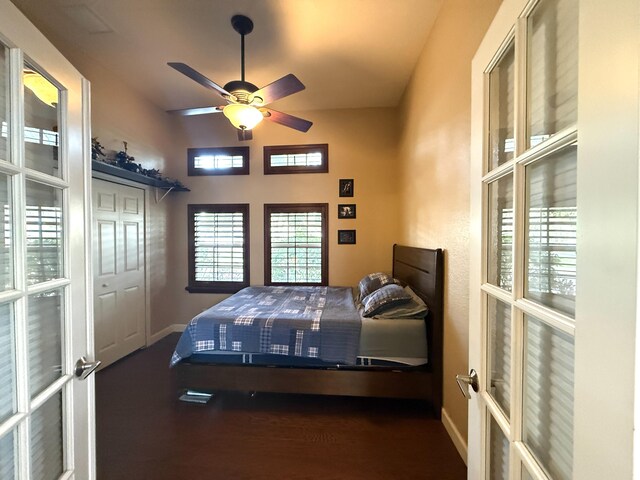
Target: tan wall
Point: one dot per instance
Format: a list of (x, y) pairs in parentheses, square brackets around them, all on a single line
[(362, 146), (121, 114), (434, 162)]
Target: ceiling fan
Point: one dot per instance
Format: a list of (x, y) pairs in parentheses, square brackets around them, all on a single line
[(246, 103)]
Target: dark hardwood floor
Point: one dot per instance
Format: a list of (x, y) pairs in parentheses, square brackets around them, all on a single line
[(145, 432)]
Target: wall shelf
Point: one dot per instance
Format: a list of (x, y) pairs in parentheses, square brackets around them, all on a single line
[(135, 177)]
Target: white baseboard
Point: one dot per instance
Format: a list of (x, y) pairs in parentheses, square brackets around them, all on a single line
[(176, 327), (459, 442)]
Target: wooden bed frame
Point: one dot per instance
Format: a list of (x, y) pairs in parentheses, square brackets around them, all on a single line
[(420, 268)]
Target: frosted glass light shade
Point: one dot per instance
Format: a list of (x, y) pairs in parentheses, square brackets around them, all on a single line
[(244, 117), (46, 91)]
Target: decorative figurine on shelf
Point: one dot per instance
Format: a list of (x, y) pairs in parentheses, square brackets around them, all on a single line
[(127, 162), (122, 159), (97, 150)]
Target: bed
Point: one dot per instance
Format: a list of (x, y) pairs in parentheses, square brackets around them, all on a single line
[(389, 358)]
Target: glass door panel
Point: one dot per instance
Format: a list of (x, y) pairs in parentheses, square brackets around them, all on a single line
[(498, 452), (41, 100), (500, 241), (548, 397), (499, 372), (6, 236), (45, 339), (552, 98), (46, 440), (8, 456), (44, 233), (502, 110), (551, 220), (7, 363)]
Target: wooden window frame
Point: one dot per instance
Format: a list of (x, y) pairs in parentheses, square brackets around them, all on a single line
[(323, 209), (192, 153), (271, 150), (217, 287)]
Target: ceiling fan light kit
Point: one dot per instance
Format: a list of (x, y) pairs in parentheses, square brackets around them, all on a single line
[(241, 116), (245, 102)]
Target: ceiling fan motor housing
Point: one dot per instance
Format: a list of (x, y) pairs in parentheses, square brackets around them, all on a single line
[(241, 89)]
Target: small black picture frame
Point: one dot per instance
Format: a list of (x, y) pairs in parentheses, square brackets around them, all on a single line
[(347, 210), (346, 187), (346, 237)]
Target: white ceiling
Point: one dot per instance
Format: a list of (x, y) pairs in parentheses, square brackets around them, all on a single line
[(348, 53)]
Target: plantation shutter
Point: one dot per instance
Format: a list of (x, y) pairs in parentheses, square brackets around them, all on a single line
[(297, 244), (218, 246)]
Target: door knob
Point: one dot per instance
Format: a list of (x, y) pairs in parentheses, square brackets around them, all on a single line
[(85, 368), (464, 381)]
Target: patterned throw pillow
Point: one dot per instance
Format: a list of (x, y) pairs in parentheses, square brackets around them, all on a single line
[(414, 308), (383, 299), (372, 282)]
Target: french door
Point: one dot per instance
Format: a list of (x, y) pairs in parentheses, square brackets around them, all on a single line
[(46, 426), (550, 173)]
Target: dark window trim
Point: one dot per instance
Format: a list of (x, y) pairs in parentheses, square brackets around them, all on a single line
[(217, 287), (293, 149), (192, 153), (270, 208)]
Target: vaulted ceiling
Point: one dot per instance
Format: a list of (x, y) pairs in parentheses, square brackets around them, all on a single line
[(348, 53)]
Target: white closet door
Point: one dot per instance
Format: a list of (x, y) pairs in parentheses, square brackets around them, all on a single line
[(119, 270)]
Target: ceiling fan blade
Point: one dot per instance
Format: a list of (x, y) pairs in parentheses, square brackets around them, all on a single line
[(244, 135), (201, 79), (196, 111), (287, 120), (287, 85)]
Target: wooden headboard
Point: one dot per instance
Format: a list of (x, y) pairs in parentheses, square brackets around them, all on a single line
[(423, 270)]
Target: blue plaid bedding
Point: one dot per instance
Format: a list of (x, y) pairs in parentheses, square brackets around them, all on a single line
[(310, 322)]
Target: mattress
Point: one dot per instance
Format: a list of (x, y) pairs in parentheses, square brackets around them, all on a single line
[(383, 342)]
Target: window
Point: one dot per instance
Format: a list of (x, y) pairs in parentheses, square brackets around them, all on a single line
[(218, 161), (295, 244), (296, 159), (218, 248)]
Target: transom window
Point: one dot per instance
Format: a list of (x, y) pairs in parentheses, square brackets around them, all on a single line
[(218, 161), (296, 159), (296, 244), (218, 248)]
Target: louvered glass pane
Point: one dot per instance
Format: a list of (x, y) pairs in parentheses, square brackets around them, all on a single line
[(219, 246), (46, 440), (501, 110), (41, 124), (498, 452), (551, 230), (45, 312), (553, 68), (548, 397), (8, 456), (500, 261), (6, 241), (499, 316), (7, 362), (296, 247), (4, 103), (44, 232)]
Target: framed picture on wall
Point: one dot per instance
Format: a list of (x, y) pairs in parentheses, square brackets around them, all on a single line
[(347, 210), (346, 187), (346, 237)]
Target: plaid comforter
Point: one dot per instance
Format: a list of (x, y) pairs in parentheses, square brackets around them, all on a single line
[(311, 322)]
